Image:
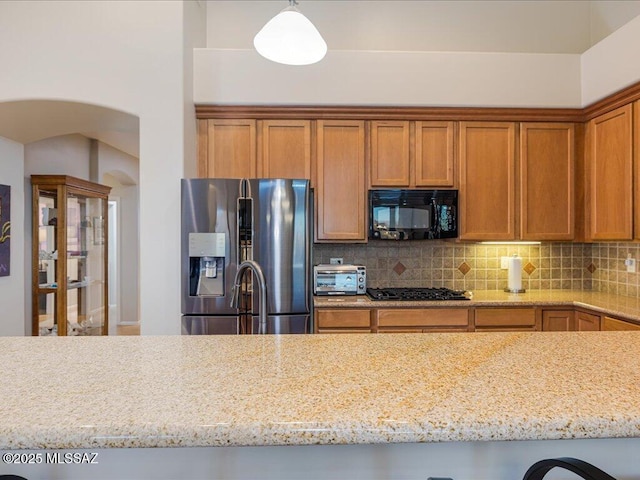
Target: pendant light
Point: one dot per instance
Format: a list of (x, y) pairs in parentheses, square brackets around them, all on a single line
[(290, 38)]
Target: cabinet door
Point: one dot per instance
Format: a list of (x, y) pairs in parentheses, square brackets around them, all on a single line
[(613, 324), (610, 175), (341, 196), (434, 154), (487, 189), (547, 181), (285, 149), (558, 321), (230, 149), (586, 322), (389, 154)]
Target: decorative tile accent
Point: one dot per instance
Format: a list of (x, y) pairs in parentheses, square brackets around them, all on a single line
[(529, 268), (399, 268), (464, 268), (591, 268)]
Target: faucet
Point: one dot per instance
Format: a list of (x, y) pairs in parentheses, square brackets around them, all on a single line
[(262, 287)]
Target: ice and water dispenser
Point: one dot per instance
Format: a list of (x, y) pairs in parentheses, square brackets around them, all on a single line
[(206, 264)]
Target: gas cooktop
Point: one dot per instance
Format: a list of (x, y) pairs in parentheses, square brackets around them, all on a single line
[(415, 294)]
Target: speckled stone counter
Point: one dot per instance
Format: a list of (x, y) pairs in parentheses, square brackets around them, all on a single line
[(615, 305), (181, 391)]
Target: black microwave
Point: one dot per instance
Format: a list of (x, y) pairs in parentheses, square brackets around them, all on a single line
[(413, 214)]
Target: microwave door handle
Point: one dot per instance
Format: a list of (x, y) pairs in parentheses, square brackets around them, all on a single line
[(435, 225)]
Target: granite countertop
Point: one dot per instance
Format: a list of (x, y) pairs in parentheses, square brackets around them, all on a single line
[(170, 391), (609, 304)]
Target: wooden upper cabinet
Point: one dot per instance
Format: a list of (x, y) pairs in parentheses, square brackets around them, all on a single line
[(487, 181), (610, 170), (285, 149), (228, 150), (547, 161), (341, 195), (412, 154), (389, 154), (434, 154)]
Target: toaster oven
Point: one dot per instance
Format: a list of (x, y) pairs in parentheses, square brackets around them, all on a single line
[(339, 279)]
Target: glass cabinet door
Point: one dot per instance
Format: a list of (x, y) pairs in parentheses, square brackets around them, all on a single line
[(47, 263), (85, 266)]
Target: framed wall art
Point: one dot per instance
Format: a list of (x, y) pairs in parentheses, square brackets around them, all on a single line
[(5, 229)]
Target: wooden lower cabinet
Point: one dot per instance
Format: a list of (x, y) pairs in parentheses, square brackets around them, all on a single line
[(587, 322), (614, 324), (432, 320), (343, 320), (558, 321), (405, 320), (507, 319)]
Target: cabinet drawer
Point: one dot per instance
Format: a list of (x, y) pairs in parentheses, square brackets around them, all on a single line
[(610, 324), (439, 317), (343, 318), (344, 330), (505, 317)]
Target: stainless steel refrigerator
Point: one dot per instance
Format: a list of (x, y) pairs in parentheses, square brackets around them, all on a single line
[(228, 221)]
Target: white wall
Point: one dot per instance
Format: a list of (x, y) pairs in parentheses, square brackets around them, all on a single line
[(12, 288), (391, 78), (63, 155), (121, 172), (393, 53), (612, 64), (127, 56), (125, 167), (195, 28)]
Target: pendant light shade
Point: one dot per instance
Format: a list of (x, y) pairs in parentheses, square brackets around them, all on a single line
[(290, 38)]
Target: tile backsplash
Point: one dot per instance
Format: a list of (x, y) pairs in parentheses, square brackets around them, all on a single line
[(610, 274), (581, 266)]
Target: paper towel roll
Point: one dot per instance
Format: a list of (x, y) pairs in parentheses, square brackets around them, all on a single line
[(515, 273)]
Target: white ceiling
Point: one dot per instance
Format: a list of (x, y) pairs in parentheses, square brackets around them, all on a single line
[(31, 120), (527, 26)]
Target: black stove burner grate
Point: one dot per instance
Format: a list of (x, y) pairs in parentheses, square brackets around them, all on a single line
[(415, 294)]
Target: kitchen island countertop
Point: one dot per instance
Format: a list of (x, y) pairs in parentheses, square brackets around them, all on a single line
[(186, 391)]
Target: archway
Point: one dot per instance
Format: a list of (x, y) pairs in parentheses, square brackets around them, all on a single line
[(112, 138)]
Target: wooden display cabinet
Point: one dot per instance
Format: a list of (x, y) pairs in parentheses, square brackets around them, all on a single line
[(69, 218)]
